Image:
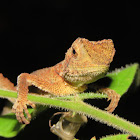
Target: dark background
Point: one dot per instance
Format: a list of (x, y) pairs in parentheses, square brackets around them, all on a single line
[(36, 34)]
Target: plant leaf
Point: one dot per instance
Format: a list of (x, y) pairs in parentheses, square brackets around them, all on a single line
[(116, 137), (9, 126), (122, 78)]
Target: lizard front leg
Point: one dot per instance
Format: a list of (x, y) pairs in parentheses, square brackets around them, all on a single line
[(22, 102), (56, 87), (112, 95), (20, 106)]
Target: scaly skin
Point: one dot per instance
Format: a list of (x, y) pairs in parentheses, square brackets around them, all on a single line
[(85, 62)]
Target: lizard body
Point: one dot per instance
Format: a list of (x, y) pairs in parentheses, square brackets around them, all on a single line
[(85, 62)]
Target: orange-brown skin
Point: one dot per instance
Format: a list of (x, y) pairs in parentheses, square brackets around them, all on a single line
[(85, 62)]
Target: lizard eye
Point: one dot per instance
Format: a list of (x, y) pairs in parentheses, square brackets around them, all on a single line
[(73, 51)]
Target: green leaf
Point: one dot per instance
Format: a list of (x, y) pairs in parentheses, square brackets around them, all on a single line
[(116, 137), (9, 126), (122, 78)]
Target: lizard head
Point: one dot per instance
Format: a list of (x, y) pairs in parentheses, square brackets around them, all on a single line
[(87, 61)]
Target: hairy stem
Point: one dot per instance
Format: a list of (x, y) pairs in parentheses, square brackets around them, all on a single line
[(80, 107)]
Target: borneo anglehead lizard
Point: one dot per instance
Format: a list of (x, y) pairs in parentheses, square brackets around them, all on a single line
[(85, 62)]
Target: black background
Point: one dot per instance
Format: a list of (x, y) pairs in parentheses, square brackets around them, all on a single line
[(36, 34)]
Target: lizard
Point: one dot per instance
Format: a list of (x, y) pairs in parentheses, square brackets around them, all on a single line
[(85, 62)]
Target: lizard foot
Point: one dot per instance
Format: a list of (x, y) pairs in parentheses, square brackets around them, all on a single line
[(19, 108), (114, 97)]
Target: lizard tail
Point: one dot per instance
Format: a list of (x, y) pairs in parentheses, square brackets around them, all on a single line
[(5, 83)]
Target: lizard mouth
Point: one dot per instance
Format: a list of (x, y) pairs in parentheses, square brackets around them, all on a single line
[(81, 76)]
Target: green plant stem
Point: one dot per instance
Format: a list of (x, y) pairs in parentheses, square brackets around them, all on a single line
[(84, 96), (83, 108)]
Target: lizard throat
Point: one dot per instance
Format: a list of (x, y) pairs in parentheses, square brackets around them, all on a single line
[(80, 76)]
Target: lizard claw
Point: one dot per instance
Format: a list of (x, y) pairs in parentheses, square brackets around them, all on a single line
[(19, 108), (114, 97)]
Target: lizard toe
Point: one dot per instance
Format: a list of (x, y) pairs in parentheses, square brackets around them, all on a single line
[(19, 108), (114, 102)]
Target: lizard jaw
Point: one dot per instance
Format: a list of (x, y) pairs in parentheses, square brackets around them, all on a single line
[(81, 76)]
